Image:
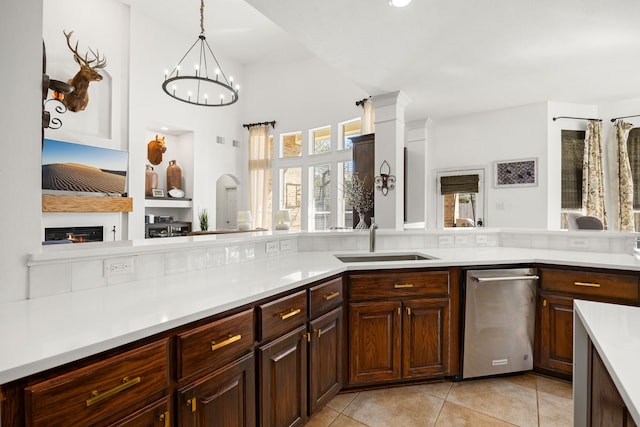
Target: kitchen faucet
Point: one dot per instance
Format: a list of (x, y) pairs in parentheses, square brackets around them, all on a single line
[(372, 235)]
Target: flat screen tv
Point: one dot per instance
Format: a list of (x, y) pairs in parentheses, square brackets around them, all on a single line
[(77, 169)]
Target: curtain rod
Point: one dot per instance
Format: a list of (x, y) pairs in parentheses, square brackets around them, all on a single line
[(250, 125), (625, 117), (575, 118), (362, 101)]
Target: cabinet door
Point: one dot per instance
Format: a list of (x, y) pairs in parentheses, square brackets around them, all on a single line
[(325, 359), (374, 347), (283, 380), (425, 338), (606, 405), (224, 398), (555, 334), (157, 414)]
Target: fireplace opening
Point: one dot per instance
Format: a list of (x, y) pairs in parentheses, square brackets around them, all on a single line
[(56, 235)]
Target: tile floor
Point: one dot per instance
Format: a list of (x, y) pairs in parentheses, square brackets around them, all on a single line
[(522, 400)]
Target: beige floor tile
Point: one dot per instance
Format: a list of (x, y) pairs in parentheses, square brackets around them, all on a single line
[(344, 421), (554, 411), (399, 406), (341, 401), (459, 416), (323, 418), (505, 400), (556, 387), (526, 380)]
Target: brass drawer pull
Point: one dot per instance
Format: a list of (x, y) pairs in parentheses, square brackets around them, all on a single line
[(285, 316), (193, 404), (588, 285), (232, 338), (330, 296), (96, 396), (318, 332), (403, 285)]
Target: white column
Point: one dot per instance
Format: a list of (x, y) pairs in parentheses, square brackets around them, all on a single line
[(390, 140)]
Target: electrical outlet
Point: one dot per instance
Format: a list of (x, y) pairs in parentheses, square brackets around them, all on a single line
[(461, 240), (272, 247), (579, 243), (285, 245), (118, 266), (444, 241), (481, 239)]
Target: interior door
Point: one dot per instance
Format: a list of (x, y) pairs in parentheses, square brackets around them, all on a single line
[(230, 207)]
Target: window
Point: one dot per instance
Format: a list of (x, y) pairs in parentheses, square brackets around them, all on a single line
[(347, 130), (320, 140), (320, 205), (291, 194), (345, 211), (633, 148), (291, 145), (572, 157), (462, 202)]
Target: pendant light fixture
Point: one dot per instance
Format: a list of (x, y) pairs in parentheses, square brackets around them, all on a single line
[(399, 3), (205, 83)]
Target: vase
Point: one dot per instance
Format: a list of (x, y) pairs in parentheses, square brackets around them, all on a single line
[(362, 224), (150, 181), (174, 176)]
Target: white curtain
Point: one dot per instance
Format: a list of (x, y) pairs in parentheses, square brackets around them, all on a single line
[(368, 118), (593, 174), (625, 178), (260, 176)]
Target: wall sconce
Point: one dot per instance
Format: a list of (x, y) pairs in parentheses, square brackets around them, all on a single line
[(244, 220), (385, 181), (283, 218)]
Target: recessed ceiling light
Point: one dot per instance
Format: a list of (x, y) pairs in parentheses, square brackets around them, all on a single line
[(399, 3)]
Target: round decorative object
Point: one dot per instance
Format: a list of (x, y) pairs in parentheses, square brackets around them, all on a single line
[(150, 181), (362, 224), (174, 176), (176, 193)]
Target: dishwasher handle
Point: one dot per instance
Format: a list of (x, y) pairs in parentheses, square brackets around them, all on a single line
[(503, 279)]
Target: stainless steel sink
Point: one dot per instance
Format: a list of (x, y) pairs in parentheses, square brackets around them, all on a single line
[(383, 257)]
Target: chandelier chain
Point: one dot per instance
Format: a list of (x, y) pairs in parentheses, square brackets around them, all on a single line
[(201, 16)]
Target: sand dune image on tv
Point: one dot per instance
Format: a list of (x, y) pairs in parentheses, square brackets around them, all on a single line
[(75, 169)]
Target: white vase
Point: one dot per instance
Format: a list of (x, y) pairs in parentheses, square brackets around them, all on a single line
[(362, 224)]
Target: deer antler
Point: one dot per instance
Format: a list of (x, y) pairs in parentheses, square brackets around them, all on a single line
[(101, 62)]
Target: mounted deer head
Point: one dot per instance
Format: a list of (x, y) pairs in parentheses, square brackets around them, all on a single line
[(79, 98)]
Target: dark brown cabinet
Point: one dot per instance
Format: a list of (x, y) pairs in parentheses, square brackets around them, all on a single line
[(606, 407), (283, 380), (325, 359), (554, 328), (224, 398), (364, 166), (399, 326)]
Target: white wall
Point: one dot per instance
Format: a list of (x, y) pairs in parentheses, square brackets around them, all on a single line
[(20, 170), (477, 140)]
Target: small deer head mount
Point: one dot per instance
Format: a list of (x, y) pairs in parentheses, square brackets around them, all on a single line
[(155, 149), (79, 98)]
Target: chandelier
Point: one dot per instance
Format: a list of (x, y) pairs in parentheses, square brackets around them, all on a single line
[(197, 86)]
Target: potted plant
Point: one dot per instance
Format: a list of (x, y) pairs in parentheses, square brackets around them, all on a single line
[(203, 216), (360, 197)]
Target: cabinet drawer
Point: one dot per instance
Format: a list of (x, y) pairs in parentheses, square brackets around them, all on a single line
[(283, 314), (325, 296), (89, 394), (158, 414), (211, 346), (606, 285), (398, 284)]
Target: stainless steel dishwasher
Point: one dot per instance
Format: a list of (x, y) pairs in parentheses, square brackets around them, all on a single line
[(499, 317)]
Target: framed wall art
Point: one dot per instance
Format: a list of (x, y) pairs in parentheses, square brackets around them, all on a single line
[(157, 192), (516, 173)]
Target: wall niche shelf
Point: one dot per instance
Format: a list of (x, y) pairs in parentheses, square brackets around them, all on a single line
[(52, 203), (164, 202)]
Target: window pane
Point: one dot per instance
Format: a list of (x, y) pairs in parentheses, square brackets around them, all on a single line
[(345, 210), (291, 145), (572, 158), (349, 129), (633, 147), (320, 214), (291, 194), (460, 209), (321, 140)]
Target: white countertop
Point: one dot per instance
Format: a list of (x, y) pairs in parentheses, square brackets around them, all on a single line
[(46, 332), (615, 333)]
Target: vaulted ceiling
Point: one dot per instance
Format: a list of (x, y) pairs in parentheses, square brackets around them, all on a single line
[(450, 57)]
